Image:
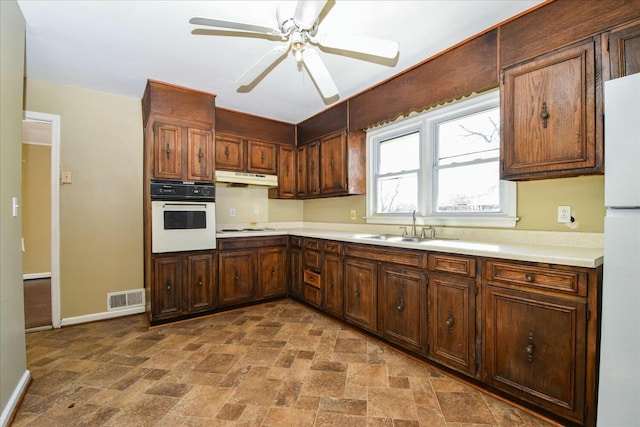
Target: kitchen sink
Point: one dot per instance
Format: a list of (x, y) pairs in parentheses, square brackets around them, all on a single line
[(396, 238)]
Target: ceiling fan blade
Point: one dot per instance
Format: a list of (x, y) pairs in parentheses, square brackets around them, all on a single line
[(240, 26), (307, 12), (262, 65), (362, 44), (319, 73)]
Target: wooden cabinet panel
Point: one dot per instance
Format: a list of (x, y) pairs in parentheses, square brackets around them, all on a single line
[(624, 50), (313, 169), (332, 283), (200, 152), (311, 295), (533, 277), (229, 152), (295, 257), (236, 277), (402, 310), (167, 151), (535, 348), (333, 157), (261, 157), (301, 181), (549, 116), (167, 287), (199, 282), (452, 323), (287, 172), (272, 267), (361, 293)]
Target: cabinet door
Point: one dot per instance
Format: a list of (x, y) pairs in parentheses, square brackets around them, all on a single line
[(200, 154), (229, 153), (261, 157), (535, 349), (167, 151), (199, 282), (624, 50), (548, 116), (272, 267), (360, 293), (332, 283), (333, 155), (236, 277), (287, 172), (402, 310), (296, 272), (167, 287), (301, 184), (452, 324), (313, 169)]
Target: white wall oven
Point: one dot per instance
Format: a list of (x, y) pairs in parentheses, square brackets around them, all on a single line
[(183, 216)]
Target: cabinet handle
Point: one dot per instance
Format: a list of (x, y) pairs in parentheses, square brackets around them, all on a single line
[(273, 272), (262, 156), (312, 167), (528, 277), (236, 278), (449, 321), (400, 306), (200, 281), (226, 152), (332, 163), (167, 150), (529, 349), (544, 115), (331, 283), (168, 286), (200, 155), (357, 293)]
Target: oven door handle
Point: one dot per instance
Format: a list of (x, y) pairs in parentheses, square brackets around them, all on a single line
[(185, 205)]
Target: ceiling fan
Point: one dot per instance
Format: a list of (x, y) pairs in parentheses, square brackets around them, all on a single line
[(298, 27)]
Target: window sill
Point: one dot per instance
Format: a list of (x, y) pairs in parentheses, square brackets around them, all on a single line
[(455, 221)]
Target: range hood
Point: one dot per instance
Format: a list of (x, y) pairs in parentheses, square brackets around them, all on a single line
[(244, 178)]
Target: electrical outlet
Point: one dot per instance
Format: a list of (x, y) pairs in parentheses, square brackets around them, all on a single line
[(232, 211), (564, 214), (353, 214), (65, 177)]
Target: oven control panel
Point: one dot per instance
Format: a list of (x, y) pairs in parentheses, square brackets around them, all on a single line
[(170, 190)]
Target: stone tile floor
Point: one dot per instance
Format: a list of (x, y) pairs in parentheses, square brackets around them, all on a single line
[(274, 364)]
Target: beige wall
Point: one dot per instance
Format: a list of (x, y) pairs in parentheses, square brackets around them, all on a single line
[(36, 208), (101, 242), (538, 203), (13, 361)]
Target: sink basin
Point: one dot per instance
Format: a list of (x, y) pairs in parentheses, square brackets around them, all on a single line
[(396, 238)]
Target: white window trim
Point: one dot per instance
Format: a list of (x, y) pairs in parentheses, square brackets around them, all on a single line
[(422, 123)]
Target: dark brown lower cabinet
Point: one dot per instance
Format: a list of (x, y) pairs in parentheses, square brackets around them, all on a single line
[(236, 277), (295, 259), (332, 282), (183, 283), (272, 271), (402, 306), (361, 293)]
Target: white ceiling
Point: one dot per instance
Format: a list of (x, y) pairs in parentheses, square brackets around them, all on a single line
[(115, 46)]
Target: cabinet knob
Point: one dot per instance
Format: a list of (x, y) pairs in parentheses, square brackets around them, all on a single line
[(357, 293), (236, 278), (529, 349), (528, 277), (200, 155), (226, 152), (262, 156), (544, 115), (273, 271), (167, 151), (332, 163), (199, 282), (450, 321), (312, 166), (168, 286), (331, 283), (400, 306)]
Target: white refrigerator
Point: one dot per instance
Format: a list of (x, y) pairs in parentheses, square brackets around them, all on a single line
[(619, 381)]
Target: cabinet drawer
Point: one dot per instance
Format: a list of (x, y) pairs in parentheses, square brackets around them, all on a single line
[(558, 278), (312, 244), (250, 242), (311, 295), (332, 247), (312, 278), (452, 264), (296, 241), (412, 258), (312, 259)]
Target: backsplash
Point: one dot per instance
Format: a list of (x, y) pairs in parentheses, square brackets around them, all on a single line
[(244, 205)]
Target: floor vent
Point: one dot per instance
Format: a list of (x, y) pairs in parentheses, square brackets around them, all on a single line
[(125, 299)]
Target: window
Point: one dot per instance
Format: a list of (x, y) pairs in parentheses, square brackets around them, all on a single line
[(444, 164)]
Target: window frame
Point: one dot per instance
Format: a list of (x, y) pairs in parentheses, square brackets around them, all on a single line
[(426, 124)]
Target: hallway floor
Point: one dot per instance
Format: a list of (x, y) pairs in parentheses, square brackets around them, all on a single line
[(274, 364)]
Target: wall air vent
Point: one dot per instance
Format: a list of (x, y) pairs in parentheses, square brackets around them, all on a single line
[(125, 299)]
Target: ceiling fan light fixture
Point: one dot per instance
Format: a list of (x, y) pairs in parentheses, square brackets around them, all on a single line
[(297, 45)]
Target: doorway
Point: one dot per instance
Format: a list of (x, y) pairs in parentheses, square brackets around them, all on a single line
[(41, 229)]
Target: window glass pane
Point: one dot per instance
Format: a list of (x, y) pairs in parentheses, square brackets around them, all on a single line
[(473, 188), (398, 194), (400, 154), (475, 136)]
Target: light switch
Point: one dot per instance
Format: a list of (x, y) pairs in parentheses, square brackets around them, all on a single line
[(65, 177)]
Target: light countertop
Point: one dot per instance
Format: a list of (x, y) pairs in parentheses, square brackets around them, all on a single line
[(589, 257)]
